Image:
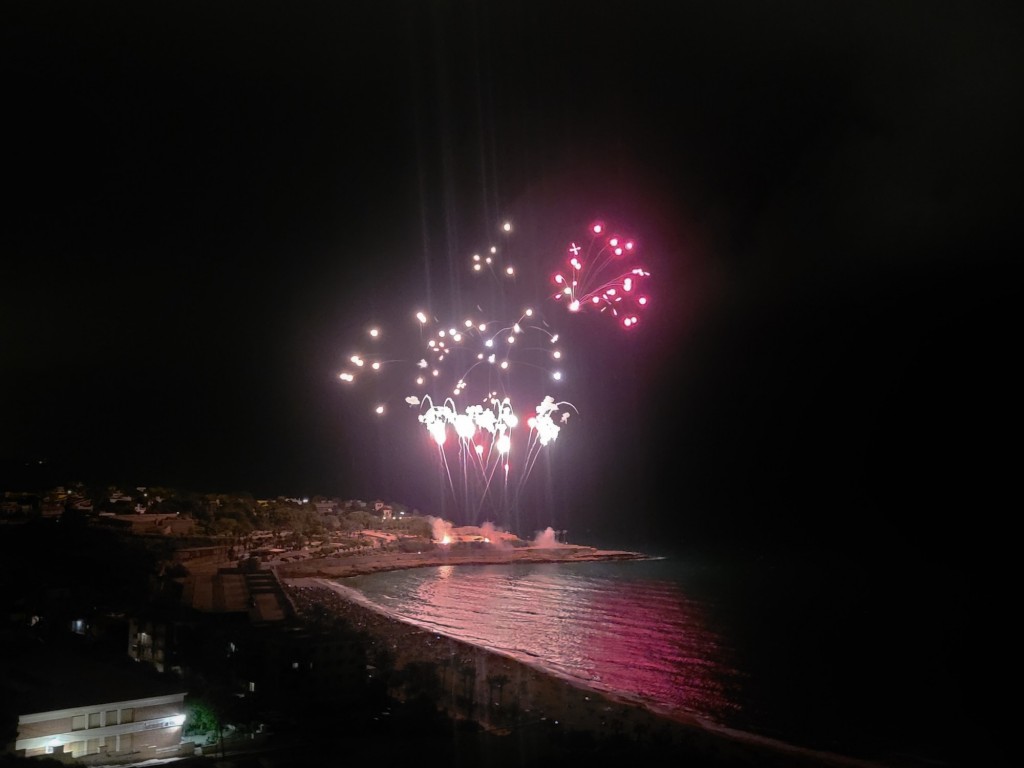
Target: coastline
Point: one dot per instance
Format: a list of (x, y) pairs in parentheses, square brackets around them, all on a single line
[(528, 697), (358, 564)]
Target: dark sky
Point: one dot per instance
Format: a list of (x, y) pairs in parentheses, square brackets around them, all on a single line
[(206, 202)]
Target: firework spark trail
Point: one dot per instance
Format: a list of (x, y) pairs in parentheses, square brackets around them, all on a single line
[(479, 361), (543, 431), (475, 422), (489, 434), (600, 277), (475, 355), (468, 359), (463, 377), (494, 351), (488, 262), (488, 469)]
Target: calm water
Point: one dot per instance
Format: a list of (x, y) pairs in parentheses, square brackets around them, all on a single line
[(851, 658)]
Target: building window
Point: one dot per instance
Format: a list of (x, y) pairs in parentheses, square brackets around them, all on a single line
[(94, 719), (78, 723)]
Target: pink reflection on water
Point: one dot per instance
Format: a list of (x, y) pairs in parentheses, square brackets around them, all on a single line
[(644, 640)]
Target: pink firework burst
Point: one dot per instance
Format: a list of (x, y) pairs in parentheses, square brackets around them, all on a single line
[(602, 276)]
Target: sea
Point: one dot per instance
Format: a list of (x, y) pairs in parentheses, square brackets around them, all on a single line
[(865, 659)]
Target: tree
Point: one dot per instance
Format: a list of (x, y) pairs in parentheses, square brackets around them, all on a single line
[(358, 520), (200, 717), (419, 526)]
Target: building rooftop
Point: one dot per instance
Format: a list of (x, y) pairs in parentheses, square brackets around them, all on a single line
[(40, 677)]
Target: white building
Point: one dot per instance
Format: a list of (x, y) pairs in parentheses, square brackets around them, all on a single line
[(148, 727), (70, 705)]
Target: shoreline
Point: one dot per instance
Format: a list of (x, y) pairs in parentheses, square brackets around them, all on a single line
[(340, 566), (536, 696)]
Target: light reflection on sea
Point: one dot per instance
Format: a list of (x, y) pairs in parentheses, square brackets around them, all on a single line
[(830, 653), (617, 627)]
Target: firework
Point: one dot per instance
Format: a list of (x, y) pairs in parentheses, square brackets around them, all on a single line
[(601, 276), (485, 446), (466, 381), (493, 261), (469, 360)]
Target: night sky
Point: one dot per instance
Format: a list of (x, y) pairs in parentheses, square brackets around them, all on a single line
[(206, 204)]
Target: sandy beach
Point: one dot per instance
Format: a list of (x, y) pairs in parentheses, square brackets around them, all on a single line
[(509, 697)]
